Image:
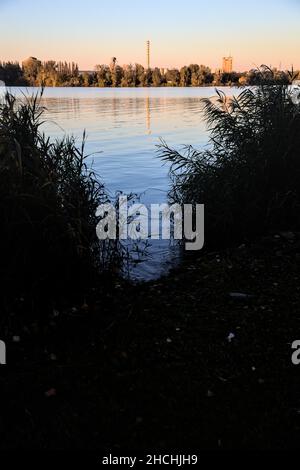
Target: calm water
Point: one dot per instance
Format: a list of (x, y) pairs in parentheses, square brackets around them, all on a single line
[(125, 125)]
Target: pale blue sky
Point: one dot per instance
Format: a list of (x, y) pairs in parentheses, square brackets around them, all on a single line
[(91, 31)]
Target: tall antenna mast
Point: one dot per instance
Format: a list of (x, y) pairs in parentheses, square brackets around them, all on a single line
[(148, 55)]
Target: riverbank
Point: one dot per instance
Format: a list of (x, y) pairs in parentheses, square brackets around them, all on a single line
[(200, 359)]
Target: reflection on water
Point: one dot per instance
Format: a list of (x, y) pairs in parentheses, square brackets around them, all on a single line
[(125, 125)]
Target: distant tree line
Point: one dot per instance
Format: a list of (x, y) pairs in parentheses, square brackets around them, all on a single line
[(34, 72), (11, 73)]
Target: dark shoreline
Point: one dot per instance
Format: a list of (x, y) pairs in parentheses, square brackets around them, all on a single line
[(179, 356)]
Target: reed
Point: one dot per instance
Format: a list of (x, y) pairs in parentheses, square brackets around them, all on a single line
[(248, 176), (48, 201)]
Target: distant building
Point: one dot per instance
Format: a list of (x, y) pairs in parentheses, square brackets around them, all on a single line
[(113, 64), (148, 54), (227, 64)]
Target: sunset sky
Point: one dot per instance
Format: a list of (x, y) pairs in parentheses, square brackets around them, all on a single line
[(92, 31)]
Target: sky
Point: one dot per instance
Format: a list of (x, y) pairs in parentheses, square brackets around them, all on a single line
[(90, 32)]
